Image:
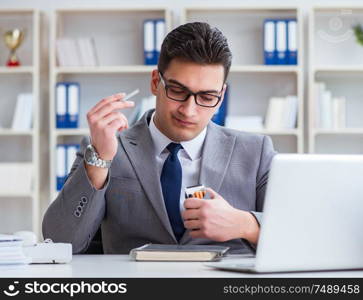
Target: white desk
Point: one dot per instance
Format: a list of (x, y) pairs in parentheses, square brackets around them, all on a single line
[(121, 266)]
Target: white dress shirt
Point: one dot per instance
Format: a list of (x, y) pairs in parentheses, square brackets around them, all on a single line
[(190, 156)]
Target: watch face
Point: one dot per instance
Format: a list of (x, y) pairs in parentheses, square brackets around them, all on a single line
[(89, 155)]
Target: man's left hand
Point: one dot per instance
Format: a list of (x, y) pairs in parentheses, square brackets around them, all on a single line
[(217, 220)]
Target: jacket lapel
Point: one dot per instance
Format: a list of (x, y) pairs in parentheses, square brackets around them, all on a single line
[(139, 147), (217, 152), (216, 155)]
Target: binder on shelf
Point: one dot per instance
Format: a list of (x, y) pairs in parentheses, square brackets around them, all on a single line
[(73, 95), (61, 104), (282, 113), (326, 110), (67, 108), (281, 42), (220, 115), (330, 111), (290, 112), (23, 115), (66, 155), (245, 123), (68, 52), (339, 112), (61, 172), (291, 42), (269, 42), (87, 51), (71, 156), (159, 36), (319, 88), (149, 43), (274, 114)]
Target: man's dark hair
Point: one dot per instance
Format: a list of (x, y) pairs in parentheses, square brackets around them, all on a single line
[(196, 42)]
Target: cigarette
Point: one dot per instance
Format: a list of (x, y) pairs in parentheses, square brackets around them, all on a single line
[(128, 96)]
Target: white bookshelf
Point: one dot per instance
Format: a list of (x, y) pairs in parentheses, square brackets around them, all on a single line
[(337, 60), (243, 27), (20, 146), (118, 35)]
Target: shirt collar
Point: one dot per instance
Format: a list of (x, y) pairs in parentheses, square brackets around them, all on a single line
[(193, 148)]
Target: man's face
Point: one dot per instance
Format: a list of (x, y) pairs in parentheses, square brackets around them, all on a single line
[(182, 121)]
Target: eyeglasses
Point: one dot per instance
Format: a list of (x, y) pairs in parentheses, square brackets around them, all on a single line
[(182, 93)]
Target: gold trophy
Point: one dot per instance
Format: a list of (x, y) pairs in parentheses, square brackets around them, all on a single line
[(13, 39)]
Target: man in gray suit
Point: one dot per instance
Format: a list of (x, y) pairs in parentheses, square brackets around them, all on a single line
[(130, 181)]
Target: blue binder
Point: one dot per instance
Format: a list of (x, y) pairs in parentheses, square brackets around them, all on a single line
[(292, 41), (149, 43), (61, 159), (73, 101), (159, 31), (281, 42), (61, 105), (71, 155), (220, 115), (67, 104), (269, 42)]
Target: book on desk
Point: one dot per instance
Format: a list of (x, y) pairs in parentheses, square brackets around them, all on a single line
[(159, 252)]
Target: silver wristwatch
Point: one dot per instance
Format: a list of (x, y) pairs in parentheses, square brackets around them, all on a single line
[(92, 158)]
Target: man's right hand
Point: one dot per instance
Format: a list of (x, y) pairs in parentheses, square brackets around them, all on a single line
[(104, 120)]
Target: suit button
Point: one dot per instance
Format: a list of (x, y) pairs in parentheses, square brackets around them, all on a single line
[(79, 208), (77, 214), (81, 204), (84, 199)]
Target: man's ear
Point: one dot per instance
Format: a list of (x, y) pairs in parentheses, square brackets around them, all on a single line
[(154, 82), (223, 92), (224, 89)]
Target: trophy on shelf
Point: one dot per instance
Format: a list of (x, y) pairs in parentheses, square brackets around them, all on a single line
[(13, 39)]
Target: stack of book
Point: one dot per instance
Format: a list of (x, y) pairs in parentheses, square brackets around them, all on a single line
[(76, 52), (163, 252), (11, 250), (281, 113), (280, 42), (330, 111), (23, 114), (245, 123)]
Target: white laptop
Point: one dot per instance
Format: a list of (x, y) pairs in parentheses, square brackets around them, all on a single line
[(313, 216)]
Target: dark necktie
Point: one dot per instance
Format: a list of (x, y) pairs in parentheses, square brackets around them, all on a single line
[(171, 178)]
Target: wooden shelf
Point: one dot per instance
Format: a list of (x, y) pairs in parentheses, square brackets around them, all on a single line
[(29, 19), (16, 195), (72, 132), (265, 69), (278, 132), (105, 70), (12, 132), (339, 68), (17, 70), (346, 131)]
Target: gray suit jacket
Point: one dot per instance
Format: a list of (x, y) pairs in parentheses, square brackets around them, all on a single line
[(130, 207)]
